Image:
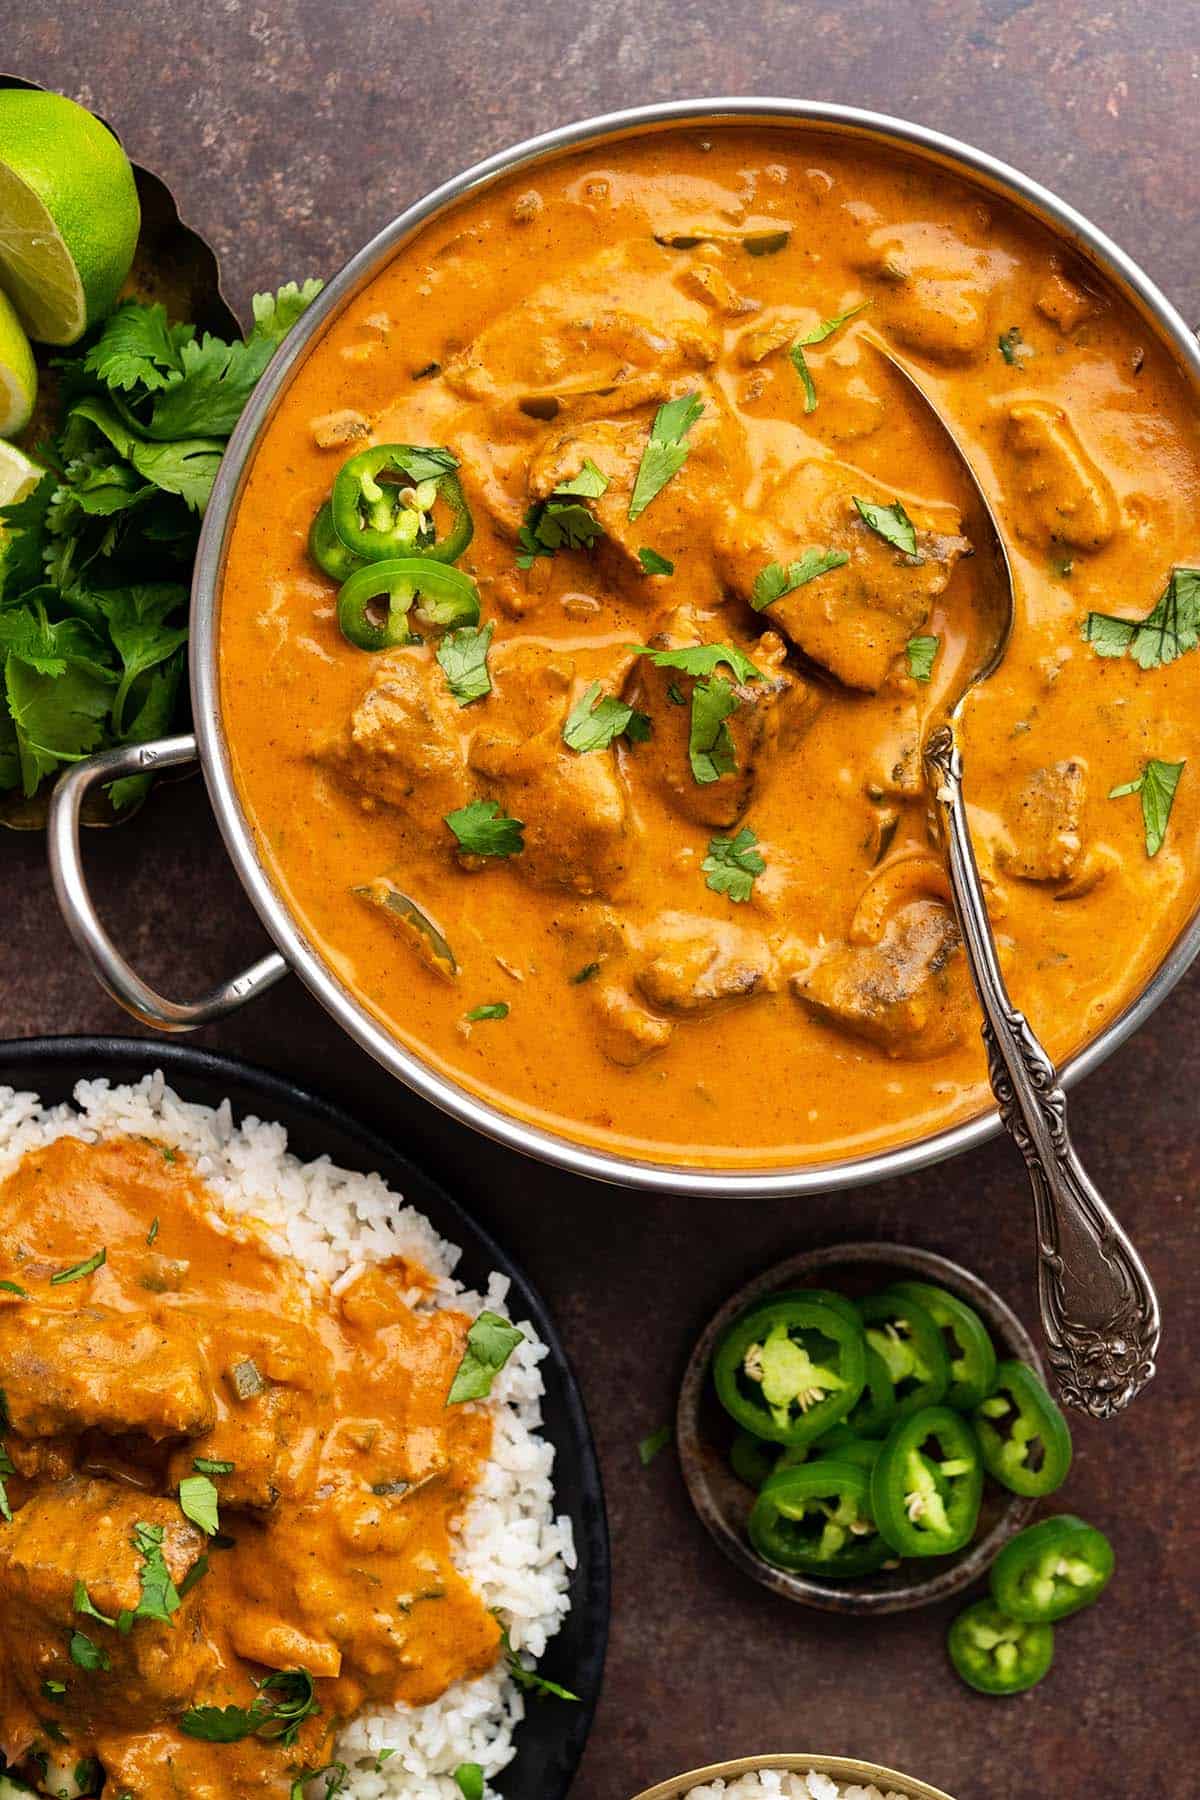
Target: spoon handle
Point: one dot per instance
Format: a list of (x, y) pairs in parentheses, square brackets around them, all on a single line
[(1098, 1306)]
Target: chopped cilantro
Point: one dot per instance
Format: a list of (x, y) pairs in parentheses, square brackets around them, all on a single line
[(468, 1778), (6, 1468), (585, 974), (593, 723), (710, 746), (277, 1719), (778, 579), (1171, 628), (85, 1654), (529, 1679), (650, 1446), (701, 659), (211, 1465), (490, 1342), (733, 864), (1012, 345), (666, 451), (198, 1502), (80, 1270), (891, 523), (562, 522), (920, 654), (482, 829), (81, 1602), (495, 1009), (589, 484), (463, 657), (159, 1596), (1156, 784), (654, 564), (152, 1233), (817, 335), (13, 1287)]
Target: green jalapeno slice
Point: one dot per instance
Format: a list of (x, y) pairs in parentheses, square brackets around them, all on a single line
[(998, 1655), (972, 1354), (1051, 1570), (751, 1459), (903, 1334), (790, 1367), (927, 1483), (844, 1444), (374, 604), (1023, 1438), (326, 548), (816, 1517), (401, 500), (874, 1412)]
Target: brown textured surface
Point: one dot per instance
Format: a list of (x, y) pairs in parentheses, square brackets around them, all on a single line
[(290, 132)]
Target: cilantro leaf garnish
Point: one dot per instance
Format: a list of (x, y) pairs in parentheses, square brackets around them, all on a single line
[(732, 864), (529, 1679), (159, 1596), (891, 523), (920, 654), (276, 1719), (585, 974), (1169, 630), (654, 564), (593, 723), (1156, 784), (494, 1009), (79, 1270), (490, 1342), (589, 484), (651, 1446), (14, 1287), (563, 522), (778, 579), (468, 1778), (666, 451), (701, 659), (817, 335), (1012, 346), (6, 1468), (198, 1502), (81, 1602), (710, 746), (85, 1654), (463, 656), (482, 829), (211, 1465)]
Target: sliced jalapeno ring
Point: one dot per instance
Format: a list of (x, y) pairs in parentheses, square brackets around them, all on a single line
[(790, 1367), (326, 548), (373, 605), (1051, 1570), (927, 1483), (845, 1444), (1023, 1438), (751, 1459), (971, 1351), (401, 500), (998, 1655), (874, 1412), (816, 1516), (905, 1336)]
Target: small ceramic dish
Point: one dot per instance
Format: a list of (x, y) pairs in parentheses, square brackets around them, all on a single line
[(840, 1768), (704, 1433)]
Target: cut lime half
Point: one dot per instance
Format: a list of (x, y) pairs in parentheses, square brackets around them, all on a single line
[(19, 475), (69, 214), (18, 373)]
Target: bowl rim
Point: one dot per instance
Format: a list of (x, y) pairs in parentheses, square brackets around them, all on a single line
[(549, 1145), (847, 1768), (848, 1598)]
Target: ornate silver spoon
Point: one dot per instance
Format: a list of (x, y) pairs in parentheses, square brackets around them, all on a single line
[(1098, 1306)]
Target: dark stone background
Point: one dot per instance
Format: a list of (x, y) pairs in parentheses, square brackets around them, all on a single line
[(292, 132)]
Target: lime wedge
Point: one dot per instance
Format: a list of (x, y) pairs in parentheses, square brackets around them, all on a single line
[(18, 373), (69, 214), (19, 475)]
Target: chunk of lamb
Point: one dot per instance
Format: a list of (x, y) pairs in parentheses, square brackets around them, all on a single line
[(855, 620), (1044, 821), (66, 1372), (404, 742), (934, 287), (771, 714), (909, 993), (686, 512), (1062, 496), (697, 965), (573, 804), (83, 1531)]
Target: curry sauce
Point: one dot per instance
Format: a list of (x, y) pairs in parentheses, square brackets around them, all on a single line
[(319, 1419), (821, 1008)]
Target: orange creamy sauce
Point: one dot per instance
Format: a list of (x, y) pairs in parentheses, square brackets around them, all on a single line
[(117, 1381), (505, 290)]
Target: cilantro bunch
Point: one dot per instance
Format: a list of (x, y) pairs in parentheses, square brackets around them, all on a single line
[(95, 562)]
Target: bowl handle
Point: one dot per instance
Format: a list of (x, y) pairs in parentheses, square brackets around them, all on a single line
[(107, 964)]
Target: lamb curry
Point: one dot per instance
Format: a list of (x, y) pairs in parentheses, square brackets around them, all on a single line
[(595, 583), (229, 1496)]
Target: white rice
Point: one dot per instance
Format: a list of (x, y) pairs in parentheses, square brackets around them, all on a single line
[(780, 1784), (334, 1222)]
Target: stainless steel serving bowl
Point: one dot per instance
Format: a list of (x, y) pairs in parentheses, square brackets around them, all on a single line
[(294, 952), (841, 1768)]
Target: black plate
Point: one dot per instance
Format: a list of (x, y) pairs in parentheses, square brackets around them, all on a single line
[(550, 1741)]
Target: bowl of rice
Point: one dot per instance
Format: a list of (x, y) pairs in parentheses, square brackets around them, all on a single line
[(793, 1777), (333, 1198)]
